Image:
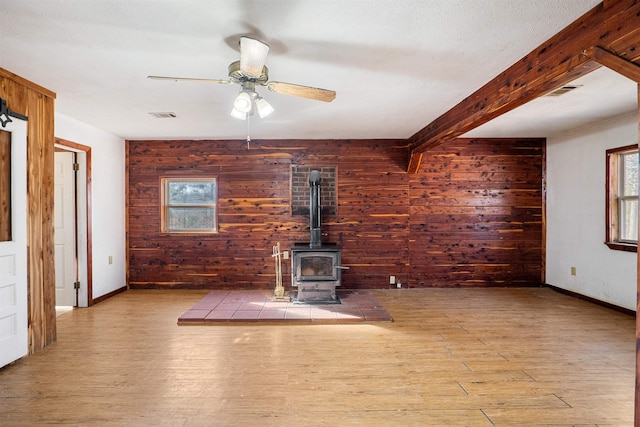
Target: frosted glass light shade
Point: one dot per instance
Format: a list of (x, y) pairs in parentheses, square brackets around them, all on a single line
[(243, 102), (238, 114), (253, 54), (263, 107)]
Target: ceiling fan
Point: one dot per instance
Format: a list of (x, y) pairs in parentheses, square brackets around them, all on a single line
[(250, 71)]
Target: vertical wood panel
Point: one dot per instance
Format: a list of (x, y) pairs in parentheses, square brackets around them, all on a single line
[(37, 104), (5, 186)]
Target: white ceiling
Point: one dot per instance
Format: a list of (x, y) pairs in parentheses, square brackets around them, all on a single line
[(396, 65), (599, 95)]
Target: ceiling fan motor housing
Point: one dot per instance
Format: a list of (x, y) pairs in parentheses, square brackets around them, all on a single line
[(236, 75)]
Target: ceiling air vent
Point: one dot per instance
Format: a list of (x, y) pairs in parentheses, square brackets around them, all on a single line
[(164, 115), (563, 90)]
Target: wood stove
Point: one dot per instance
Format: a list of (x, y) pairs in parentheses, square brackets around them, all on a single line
[(316, 272), (315, 268)]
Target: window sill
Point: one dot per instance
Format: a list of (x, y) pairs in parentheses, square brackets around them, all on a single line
[(626, 247)]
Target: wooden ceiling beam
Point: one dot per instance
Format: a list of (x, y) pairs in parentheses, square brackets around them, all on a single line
[(612, 25), (629, 69)]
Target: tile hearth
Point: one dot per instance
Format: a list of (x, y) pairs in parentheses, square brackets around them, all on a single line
[(224, 306)]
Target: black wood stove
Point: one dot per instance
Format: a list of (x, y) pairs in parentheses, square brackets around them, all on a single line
[(315, 268)]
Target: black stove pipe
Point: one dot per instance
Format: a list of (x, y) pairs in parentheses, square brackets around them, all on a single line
[(315, 209)]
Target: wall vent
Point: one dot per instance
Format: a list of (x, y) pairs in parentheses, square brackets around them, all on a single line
[(164, 115), (563, 90)]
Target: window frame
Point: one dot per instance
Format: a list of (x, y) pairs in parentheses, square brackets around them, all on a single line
[(165, 181), (614, 183)]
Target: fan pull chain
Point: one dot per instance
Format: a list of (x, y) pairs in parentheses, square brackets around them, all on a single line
[(248, 134)]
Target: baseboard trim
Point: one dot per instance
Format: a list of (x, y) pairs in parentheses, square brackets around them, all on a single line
[(108, 295), (593, 300)]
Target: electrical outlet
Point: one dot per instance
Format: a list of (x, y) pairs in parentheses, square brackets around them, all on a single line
[(573, 271), (392, 280), (110, 259), (285, 255), (399, 285)]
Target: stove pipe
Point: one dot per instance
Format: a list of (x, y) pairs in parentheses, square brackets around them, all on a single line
[(315, 209)]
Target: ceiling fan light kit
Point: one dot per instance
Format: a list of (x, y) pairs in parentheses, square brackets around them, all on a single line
[(249, 101), (242, 107), (250, 71)]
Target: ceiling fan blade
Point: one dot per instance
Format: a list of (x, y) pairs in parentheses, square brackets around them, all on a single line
[(190, 79), (303, 91), (253, 54)]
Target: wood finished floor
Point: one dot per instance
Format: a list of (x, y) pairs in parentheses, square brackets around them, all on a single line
[(475, 357)]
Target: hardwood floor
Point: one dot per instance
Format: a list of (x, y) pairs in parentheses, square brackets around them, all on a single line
[(479, 357)]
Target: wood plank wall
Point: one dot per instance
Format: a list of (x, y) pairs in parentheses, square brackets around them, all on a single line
[(5, 186), (388, 222), (255, 212), (37, 103), (477, 214)]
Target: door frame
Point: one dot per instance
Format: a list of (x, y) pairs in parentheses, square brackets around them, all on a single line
[(83, 219)]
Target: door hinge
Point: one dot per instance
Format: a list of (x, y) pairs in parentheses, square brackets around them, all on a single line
[(76, 167), (76, 285)]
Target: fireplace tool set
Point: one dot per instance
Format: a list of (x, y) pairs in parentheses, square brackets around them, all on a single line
[(279, 293)]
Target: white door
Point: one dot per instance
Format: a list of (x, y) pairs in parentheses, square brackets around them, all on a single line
[(13, 254), (65, 228)]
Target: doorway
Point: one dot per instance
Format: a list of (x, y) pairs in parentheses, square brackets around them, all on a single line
[(65, 226), (72, 225)]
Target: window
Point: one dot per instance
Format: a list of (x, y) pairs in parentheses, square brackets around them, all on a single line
[(189, 205), (622, 198)]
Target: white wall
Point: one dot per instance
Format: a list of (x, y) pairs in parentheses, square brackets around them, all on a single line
[(576, 213), (107, 201)]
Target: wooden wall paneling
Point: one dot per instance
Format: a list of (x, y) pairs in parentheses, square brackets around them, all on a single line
[(476, 214), (37, 103), (37, 294), (46, 106), (485, 193), (255, 212), (5, 186), (40, 184)]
